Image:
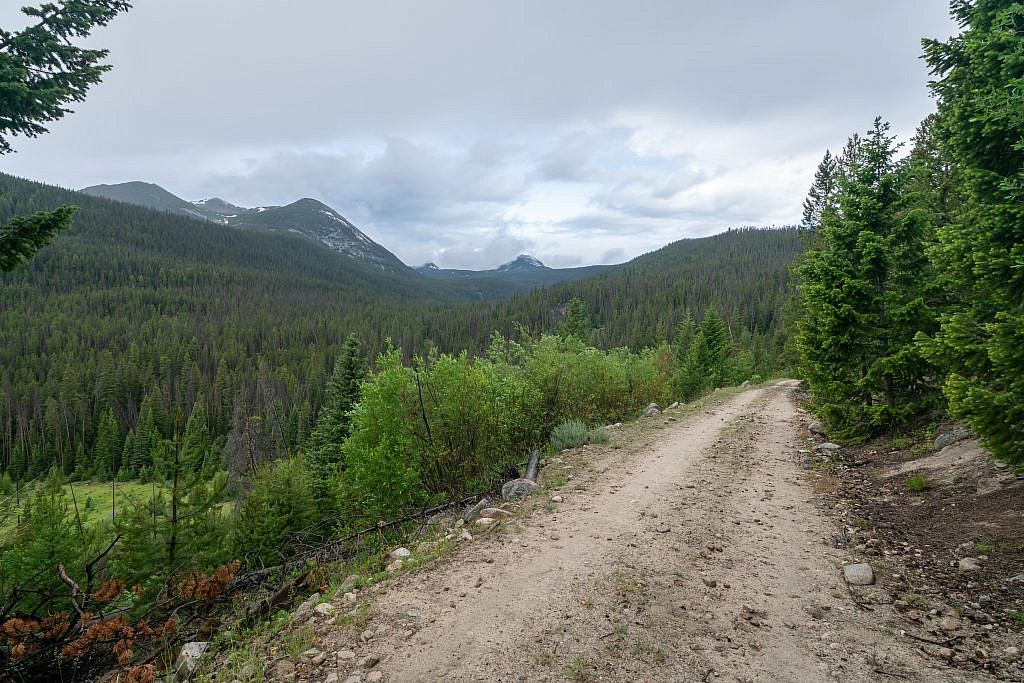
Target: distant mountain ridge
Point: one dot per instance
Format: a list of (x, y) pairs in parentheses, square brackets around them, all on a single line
[(307, 217), (524, 269), (322, 224)]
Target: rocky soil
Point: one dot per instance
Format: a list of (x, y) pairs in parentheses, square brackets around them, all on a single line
[(700, 545)]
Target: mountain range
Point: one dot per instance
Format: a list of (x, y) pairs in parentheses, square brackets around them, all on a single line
[(322, 224)]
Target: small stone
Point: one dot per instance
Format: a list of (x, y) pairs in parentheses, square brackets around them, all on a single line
[(662, 528), (474, 511), (346, 655), (860, 574), (466, 536), (827, 447), (368, 662), (969, 564), (946, 653), (479, 582), (495, 513), (484, 521), (394, 566), (400, 553), (331, 678), (319, 659), (188, 659), (816, 427), (556, 499), (1011, 654), (356, 678), (350, 597), (366, 636), (949, 623), (374, 677), (324, 609), (710, 583), (673, 405)]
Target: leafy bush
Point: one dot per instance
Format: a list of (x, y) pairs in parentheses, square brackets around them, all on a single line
[(448, 425)]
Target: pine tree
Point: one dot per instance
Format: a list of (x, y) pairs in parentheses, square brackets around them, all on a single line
[(41, 72), (323, 451), (979, 84)]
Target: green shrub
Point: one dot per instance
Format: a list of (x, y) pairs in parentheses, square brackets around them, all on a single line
[(569, 434), (573, 434)]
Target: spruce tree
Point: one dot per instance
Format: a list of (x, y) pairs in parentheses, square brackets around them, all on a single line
[(862, 297), (980, 79), (107, 451), (821, 197), (323, 451)]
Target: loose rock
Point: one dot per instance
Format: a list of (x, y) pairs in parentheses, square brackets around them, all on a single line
[(969, 564), (859, 574), (517, 489), (324, 609), (495, 513), (188, 659)]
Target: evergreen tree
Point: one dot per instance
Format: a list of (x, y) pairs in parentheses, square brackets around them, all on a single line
[(323, 451), (862, 297), (577, 321), (107, 452), (821, 197), (41, 72), (279, 504), (979, 83)]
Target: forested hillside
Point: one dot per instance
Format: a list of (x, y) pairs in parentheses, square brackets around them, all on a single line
[(135, 315)]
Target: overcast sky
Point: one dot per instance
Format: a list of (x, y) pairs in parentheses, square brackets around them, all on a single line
[(468, 132)]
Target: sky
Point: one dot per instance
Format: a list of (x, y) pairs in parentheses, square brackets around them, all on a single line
[(467, 132)]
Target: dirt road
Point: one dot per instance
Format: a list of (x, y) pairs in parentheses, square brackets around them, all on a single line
[(690, 550)]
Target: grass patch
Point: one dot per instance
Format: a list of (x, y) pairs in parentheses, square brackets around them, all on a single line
[(919, 483), (580, 669), (1016, 615)]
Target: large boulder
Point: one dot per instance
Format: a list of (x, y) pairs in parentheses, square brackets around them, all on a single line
[(518, 488), (652, 410)]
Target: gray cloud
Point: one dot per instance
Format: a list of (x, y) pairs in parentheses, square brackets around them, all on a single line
[(464, 131)]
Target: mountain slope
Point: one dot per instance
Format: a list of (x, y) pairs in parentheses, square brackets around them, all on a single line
[(149, 195), (320, 223), (307, 217)]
